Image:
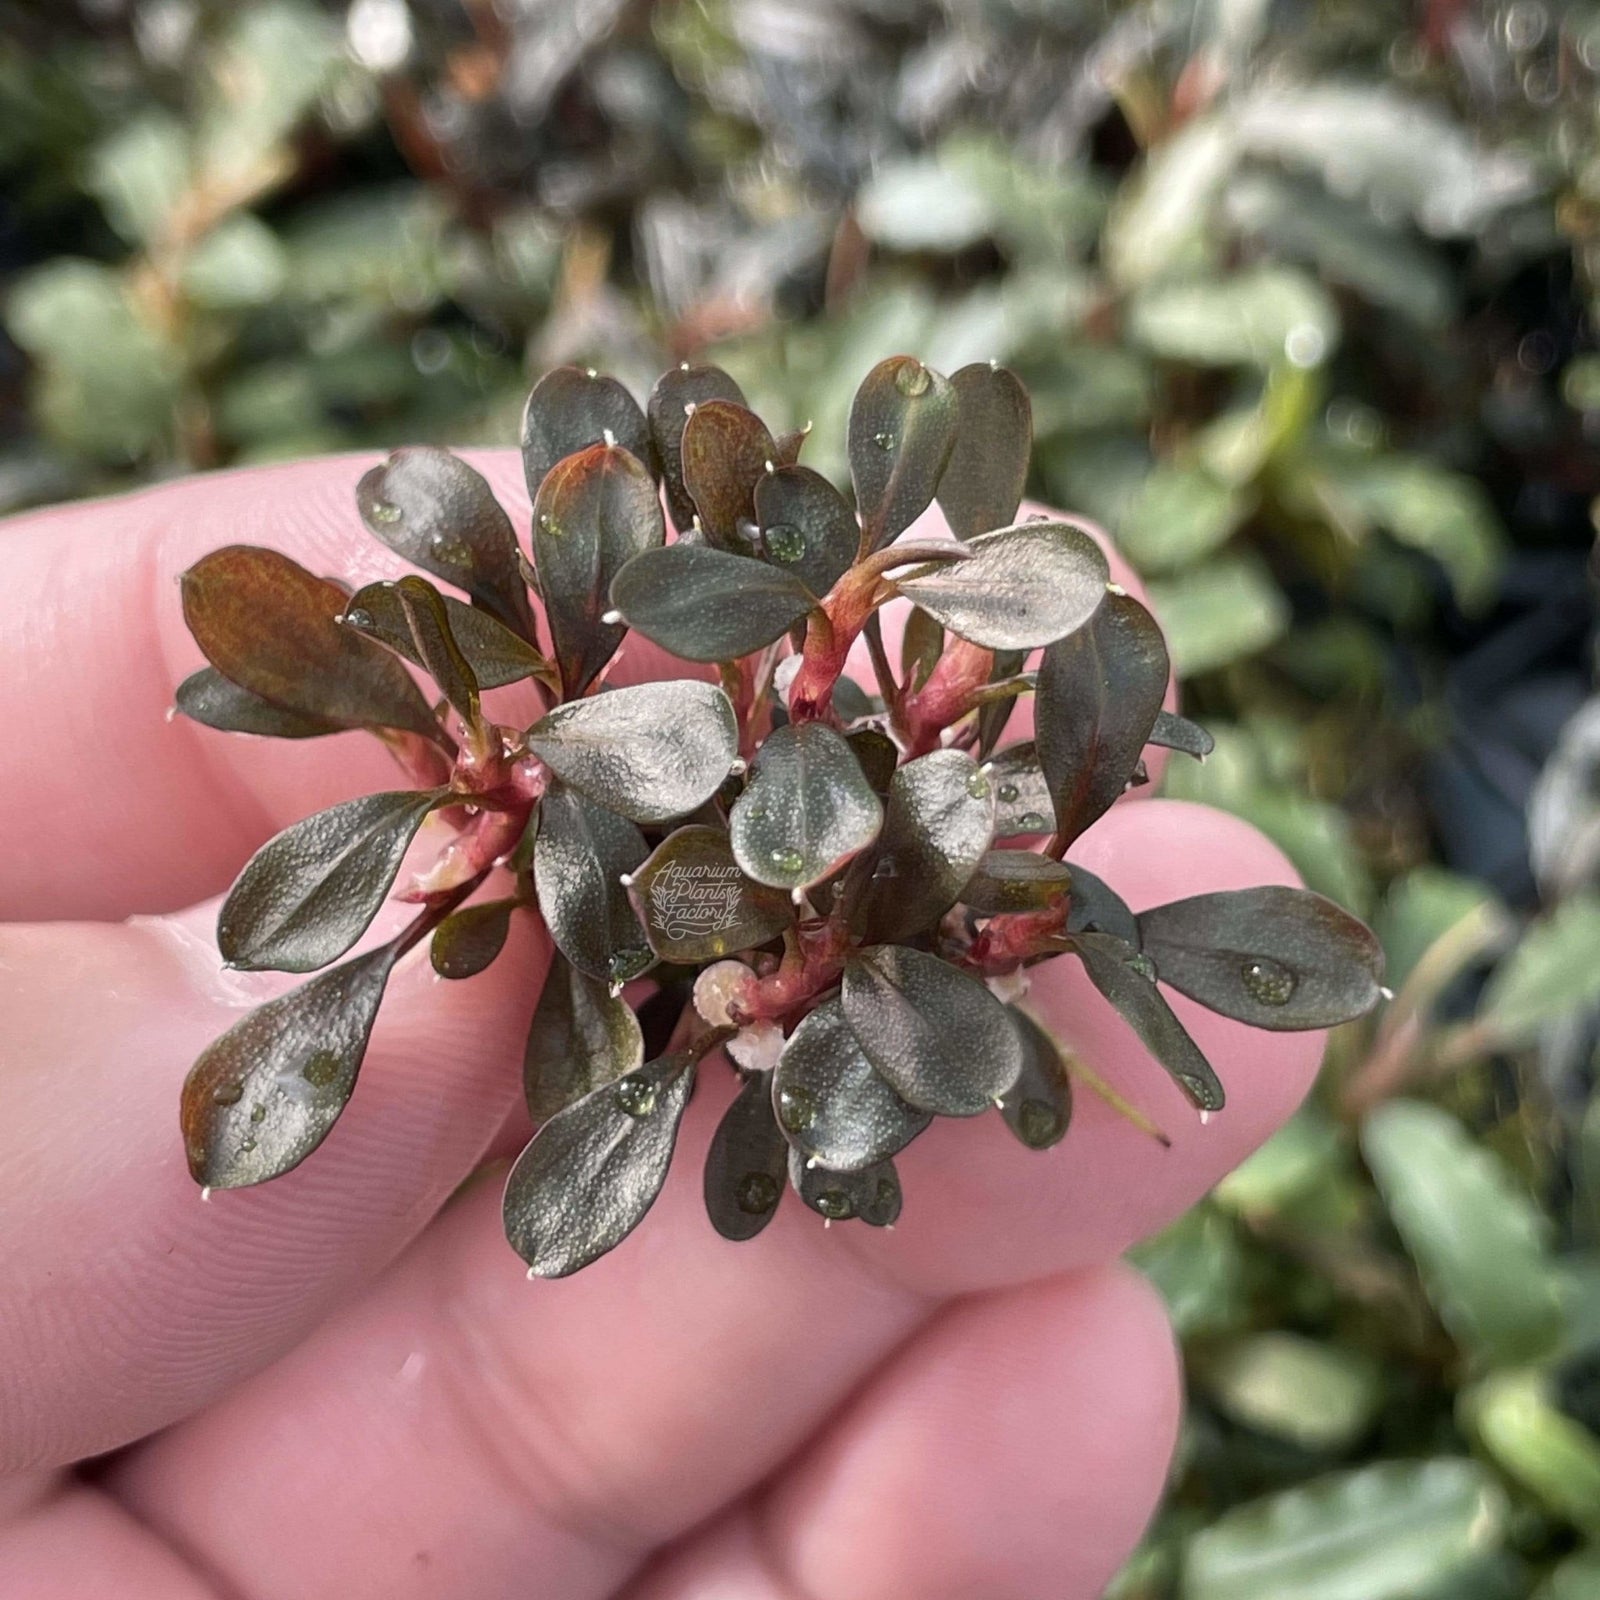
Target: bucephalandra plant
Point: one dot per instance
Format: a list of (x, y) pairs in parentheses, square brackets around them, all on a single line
[(838, 885)]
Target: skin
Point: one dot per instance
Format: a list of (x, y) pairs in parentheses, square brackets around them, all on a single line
[(342, 1385)]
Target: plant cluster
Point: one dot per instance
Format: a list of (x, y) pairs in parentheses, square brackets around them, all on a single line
[(844, 887)]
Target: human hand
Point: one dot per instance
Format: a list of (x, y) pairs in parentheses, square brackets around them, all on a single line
[(359, 1391)]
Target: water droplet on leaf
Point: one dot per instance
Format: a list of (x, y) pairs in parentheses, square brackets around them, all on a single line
[(1031, 822), (1007, 792), (797, 1109), (636, 1095), (884, 441), (756, 1194), (1143, 965), (1038, 1122), (1268, 981), (913, 379), (834, 1204), (978, 786), (622, 966), (321, 1069), (786, 860), (386, 512), (227, 1094), (785, 542)]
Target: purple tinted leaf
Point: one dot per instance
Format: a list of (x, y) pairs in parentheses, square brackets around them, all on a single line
[(1098, 908), (921, 646), (1015, 880), (209, 698), (437, 651), (726, 450), (871, 1196), (983, 480), (468, 941), (901, 432), (572, 408), (1038, 1106), (807, 527), (695, 903), (1021, 795), (747, 1163), (877, 754), (581, 1036), (669, 406), (580, 856)]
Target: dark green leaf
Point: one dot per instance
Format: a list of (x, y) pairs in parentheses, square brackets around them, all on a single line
[(983, 480), (467, 941), (1274, 957), (307, 895), (650, 752), (570, 409), (1099, 692), (580, 857), (807, 527), (1098, 908), (1127, 979), (271, 627), (938, 823), (1023, 586), (675, 394), (726, 451), (830, 1101), (432, 508), (592, 1171), (495, 655), (1021, 796), (1015, 880), (871, 1195), (902, 430), (1038, 1106), (807, 809), (262, 1097), (1173, 732), (747, 1163), (581, 1036), (695, 903), (208, 697), (941, 1039), (708, 605), (995, 714), (595, 511), (877, 753), (921, 645)]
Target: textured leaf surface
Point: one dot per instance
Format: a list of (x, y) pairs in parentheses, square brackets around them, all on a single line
[(807, 527), (569, 410), (579, 858), (1173, 732), (984, 477), (209, 698), (1021, 795), (747, 1164), (495, 654), (667, 410), (944, 1043), (1038, 1106), (468, 941), (871, 1196), (726, 449), (695, 903), (901, 432), (1015, 880), (436, 649), (1098, 908), (262, 1097), (581, 1036)]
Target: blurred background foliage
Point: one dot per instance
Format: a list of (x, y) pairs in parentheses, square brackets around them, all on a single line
[(1304, 293)]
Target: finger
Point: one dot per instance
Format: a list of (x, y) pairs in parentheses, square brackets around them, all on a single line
[(1013, 1449), (127, 1302), (509, 1428)]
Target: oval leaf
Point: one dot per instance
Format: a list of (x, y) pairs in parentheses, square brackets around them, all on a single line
[(580, 857), (650, 752), (595, 511), (901, 432), (592, 1171), (209, 698), (432, 508), (1173, 732), (262, 1097), (271, 627), (807, 527), (581, 1036), (1038, 1106), (747, 1163), (938, 823), (807, 809), (307, 895), (1099, 692), (871, 1196), (1098, 908), (941, 1039), (831, 1102), (1015, 880), (726, 449), (1274, 957), (695, 903), (1021, 795), (572, 408), (708, 605), (468, 941), (673, 400), (437, 651), (1023, 586), (984, 477)]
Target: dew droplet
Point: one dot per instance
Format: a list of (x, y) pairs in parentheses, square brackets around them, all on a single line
[(258, 1113), (1269, 982), (978, 786), (913, 379), (786, 860), (756, 1194), (321, 1069), (227, 1094), (884, 441), (385, 511), (834, 1204), (246, 1146), (1007, 793), (1038, 1122), (785, 542), (1143, 965), (622, 966), (1031, 822), (359, 618), (636, 1095), (548, 524), (797, 1108)]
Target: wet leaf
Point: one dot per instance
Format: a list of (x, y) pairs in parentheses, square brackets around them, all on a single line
[(747, 1163), (262, 1097), (650, 752), (1274, 957), (1022, 586), (468, 941), (983, 480), (1099, 692), (271, 627), (726, 450), (936, 827), (1115, 969), (708, 605), (306, 896), (901, 432), (831, 1103), (1038, 1106), (209, 698), (871, 1196), (432, 508), (1173, 732), (570, 409), (677, 389), (579, 859), (695, 903), (944, 1043), (594, 1169), (1021, 795), (807, 808), (1015, 880), (1098, 908), (581, 1036), (595, 511), (807, 527)]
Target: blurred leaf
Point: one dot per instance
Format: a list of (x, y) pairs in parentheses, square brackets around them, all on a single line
[(1219, 612), (141, 174), (747, 1164), (1160, 220), (238, 265), (1319, 1396), (1551, 974), (468, 941), (901, 432), (1556, 1459), (582, 1036), (919, 203), (1259, 316), (1575, 1578), (1179, 516), (1421, 908), (695, 903)]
